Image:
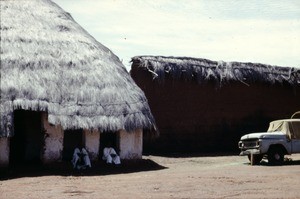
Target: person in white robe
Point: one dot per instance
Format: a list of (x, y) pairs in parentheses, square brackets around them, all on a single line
[(81, 159), (111, 156)]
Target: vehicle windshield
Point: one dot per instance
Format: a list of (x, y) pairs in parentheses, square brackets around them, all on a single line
[(276, 126)]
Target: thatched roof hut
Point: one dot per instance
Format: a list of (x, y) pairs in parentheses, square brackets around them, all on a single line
[(50, 63), (204, 70), (203, 105)]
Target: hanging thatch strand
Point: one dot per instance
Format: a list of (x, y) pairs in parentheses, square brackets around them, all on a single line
[(49, 63), (203, 70)]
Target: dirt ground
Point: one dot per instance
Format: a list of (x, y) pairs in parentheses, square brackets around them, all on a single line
[(158, 177)]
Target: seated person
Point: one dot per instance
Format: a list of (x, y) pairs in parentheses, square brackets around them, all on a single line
[(110, 155), (81, 159)]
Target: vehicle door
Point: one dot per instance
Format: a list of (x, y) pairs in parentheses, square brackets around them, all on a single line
[(295, 145), (294, 127)]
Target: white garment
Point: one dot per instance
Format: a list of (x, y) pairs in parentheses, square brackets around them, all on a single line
[(110, 155), (76, 157)]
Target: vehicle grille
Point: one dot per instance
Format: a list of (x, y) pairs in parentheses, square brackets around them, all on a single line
[(248, 144)]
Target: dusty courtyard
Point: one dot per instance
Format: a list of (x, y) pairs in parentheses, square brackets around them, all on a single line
[(159, 177)]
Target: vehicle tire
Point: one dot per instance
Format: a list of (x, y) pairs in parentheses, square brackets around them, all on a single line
[(275, 156), (255, 159)]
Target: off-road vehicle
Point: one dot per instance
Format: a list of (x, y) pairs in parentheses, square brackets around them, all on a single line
[(282, 138)]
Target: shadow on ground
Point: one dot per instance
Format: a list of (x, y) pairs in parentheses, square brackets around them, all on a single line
[(195, 154), (287, 162), (65, 169)]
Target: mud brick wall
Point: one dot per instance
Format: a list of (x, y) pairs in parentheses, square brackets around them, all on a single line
[(194, 117)]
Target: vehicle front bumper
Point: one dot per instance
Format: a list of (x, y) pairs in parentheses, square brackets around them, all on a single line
[(250, 151)]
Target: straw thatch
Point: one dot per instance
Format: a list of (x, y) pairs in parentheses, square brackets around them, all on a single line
[(203, 70), (49, 63)]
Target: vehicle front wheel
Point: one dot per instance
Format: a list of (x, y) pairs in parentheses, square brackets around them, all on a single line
[(255, 159), (275, 156)]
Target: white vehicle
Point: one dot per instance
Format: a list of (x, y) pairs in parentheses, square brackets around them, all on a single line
[(282, 138)]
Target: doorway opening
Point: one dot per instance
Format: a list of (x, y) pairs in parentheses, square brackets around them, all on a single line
[(109, 138), (72, 139), (27, 143)]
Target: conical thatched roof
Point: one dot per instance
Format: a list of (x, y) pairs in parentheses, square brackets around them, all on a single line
[(49, 63), (203, 70)]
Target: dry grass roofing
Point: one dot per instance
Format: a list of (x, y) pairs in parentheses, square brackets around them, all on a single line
[(50, 63), (203, 70)]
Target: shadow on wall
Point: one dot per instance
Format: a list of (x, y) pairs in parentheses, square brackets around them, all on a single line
[(256, 122), (218, 138)]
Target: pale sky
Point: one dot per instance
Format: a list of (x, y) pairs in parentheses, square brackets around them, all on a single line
[(256, 31)]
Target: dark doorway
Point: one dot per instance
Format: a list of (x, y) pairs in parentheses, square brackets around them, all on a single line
[(109, 138), (72, 139), (27, 143)]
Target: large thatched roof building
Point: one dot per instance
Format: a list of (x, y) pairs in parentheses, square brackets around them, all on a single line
[(52, 66), (204, 105)]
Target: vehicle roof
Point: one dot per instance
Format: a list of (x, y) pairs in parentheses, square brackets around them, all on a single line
[(291, 127), (287, 120)]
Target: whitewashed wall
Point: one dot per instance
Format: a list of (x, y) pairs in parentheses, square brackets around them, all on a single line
[(92, 143), (131, 144), (4, 152), (54, 138)]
